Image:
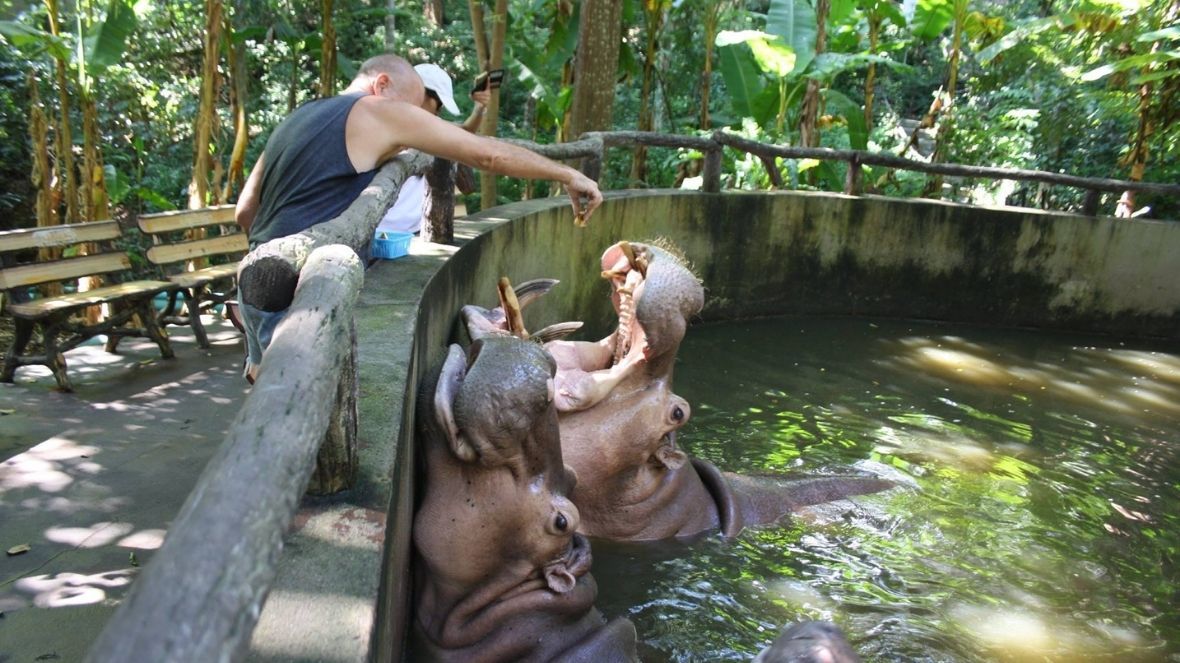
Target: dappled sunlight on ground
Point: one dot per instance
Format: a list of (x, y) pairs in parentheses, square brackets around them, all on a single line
[(1130, 382), (63, 590), (98, 534), (89, 480), (47, 466)]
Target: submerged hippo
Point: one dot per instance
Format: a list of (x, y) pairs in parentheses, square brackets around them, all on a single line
[(500, 574), (809, 642), (619, 416)]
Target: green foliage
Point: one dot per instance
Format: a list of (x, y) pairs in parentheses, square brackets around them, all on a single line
[(1054, 92)]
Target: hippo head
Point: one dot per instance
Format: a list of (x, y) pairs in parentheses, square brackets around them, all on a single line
[(495, 529), (654, 294)]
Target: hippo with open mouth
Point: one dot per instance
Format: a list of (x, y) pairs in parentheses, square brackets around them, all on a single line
[(619, 416), (500, 572)]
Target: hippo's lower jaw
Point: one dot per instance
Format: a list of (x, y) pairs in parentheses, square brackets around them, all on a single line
[(532, 625), (696, 498)]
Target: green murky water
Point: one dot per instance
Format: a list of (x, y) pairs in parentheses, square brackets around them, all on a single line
[(1042, 526)]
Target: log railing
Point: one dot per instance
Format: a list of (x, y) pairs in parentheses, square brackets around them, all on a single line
[(200, 597), (591, 148)]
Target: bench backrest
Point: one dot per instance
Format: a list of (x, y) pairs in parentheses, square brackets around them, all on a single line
[(14, 243), (166, 227)]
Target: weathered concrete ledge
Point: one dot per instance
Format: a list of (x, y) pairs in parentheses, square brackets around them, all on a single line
[(344, 584)]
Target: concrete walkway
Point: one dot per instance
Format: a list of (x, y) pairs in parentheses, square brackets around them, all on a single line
[(89, 481)]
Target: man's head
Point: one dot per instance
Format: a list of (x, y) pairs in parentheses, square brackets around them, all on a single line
[(389, 76), (439, 88)]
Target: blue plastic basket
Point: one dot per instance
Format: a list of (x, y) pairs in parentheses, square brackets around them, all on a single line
[(390, 244)]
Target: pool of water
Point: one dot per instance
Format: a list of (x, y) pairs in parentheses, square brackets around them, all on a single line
[(1041, 521)]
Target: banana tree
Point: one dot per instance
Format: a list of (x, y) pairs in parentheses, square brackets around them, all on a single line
[(767, 73), (1158, 91)]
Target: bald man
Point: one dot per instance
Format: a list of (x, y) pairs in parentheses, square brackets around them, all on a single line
[(326, 152), (320, 158)]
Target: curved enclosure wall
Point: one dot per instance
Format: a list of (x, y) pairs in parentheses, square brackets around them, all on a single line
[(762, 254)]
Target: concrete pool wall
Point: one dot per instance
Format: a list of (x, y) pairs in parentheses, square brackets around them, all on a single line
[(758, 254)]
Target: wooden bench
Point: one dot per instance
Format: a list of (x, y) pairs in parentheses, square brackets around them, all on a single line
[(57, 316), (204, 287)]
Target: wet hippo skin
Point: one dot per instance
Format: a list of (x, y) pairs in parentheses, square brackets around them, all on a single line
[(809, 642), (500, 573), (619, 416)]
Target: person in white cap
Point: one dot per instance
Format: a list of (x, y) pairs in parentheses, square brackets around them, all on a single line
[(405, 215), (326, 152)]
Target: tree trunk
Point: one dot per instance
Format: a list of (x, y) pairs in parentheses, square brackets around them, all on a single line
[(47, 213), (946, 122), (390, 26), (238, 93), (596, 65), (808, 133), (479, 32), (68, 182), (653, 14), (435, 12), (491, 118), (94, 183), (875, 20), (207, 111), (710, 23), (328, 53)]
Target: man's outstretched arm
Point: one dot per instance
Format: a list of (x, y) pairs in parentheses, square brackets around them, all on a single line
[(393, 126)]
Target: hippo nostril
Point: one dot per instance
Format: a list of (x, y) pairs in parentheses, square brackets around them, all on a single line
[(677, 414), (561, 523)]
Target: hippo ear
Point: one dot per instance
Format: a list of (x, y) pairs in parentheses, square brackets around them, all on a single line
[(559, 579), (670, 456), (449, 381)]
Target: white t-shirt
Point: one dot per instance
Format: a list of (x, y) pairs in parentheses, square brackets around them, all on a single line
[(406, 213)]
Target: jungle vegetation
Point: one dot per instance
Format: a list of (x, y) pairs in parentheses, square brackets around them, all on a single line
[(116, 107)]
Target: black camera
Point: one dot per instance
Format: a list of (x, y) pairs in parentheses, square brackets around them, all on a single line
[(488, 79)]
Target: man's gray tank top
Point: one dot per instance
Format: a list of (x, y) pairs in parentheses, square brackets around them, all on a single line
[(307, 177)]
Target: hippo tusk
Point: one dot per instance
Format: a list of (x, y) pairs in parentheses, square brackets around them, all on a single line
[(556, 331), (511, 307), (530, 291)]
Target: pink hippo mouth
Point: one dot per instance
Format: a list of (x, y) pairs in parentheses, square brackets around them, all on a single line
[(625, 266)]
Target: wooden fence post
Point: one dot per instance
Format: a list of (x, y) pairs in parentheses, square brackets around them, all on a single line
[(852, 181), (439, 212), (711, 172), (336, 463), (1090, 203)]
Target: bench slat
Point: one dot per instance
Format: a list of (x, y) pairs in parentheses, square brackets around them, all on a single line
[(61, 270), (184, 219), (206, 275), (39, 308), (63, 235), (163, 254)]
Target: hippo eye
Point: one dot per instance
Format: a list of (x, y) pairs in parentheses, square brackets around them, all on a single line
[(561, 523), (677, 414)]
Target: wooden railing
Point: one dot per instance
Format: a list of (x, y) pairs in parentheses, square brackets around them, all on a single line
[(200, 596), (592, 147)]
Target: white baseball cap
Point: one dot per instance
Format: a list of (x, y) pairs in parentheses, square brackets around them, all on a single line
[(437, 81)]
